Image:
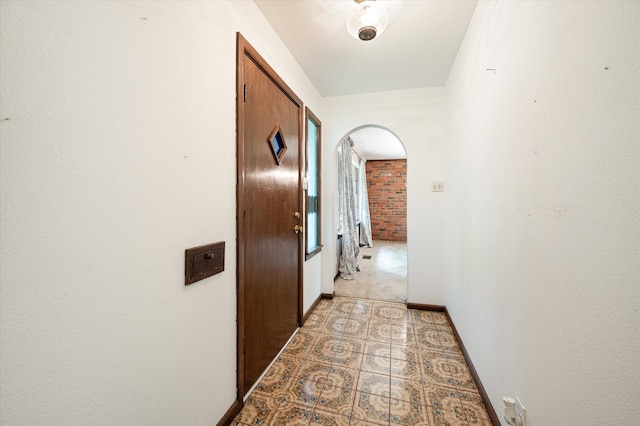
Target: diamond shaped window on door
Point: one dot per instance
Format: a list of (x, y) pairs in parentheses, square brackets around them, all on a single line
[(277, 144)]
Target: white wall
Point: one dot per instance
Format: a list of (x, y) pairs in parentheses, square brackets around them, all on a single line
[(117, 153), (417, 118), (312, 282), (542, 200)]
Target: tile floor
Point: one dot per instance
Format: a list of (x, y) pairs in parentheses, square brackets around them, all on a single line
[(363, 362), (382, 277)]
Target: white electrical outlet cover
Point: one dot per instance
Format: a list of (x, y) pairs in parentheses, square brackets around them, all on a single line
[(522, 412)]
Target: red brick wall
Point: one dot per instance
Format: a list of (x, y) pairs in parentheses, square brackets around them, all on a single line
[(386, 184)]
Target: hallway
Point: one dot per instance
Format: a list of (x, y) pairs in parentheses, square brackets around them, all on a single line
[(382, 276), (119, 152), (363, 362)]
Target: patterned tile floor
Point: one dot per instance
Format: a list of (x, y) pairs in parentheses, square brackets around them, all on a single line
[(363, 362)]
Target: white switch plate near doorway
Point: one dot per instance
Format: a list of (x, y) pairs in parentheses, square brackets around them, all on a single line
[(437, 186)]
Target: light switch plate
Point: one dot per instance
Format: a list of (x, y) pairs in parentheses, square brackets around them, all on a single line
[(203, 261), (437, 186)]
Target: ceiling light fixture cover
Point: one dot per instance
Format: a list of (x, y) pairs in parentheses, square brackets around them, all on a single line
[(367, 20)]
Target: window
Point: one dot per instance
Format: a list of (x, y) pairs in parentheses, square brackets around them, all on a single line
[(312, 178)]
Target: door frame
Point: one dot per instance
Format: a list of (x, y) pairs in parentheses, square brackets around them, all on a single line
[(244, 48)]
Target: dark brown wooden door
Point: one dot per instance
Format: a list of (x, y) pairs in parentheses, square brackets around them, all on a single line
[(268, 206)]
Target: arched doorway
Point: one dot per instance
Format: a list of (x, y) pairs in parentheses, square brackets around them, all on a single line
[(379, 177)]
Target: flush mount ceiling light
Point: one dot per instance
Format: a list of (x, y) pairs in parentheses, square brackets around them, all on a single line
[(367, 20)]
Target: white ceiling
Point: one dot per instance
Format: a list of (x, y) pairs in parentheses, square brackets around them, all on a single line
[(416, 50), (375, 143)]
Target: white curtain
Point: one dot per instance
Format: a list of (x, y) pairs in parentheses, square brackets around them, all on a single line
[(365, 217), (347, 212)]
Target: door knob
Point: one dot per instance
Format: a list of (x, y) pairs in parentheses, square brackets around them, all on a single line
[(297, 229)]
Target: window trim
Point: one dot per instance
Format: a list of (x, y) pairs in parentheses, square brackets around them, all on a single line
[(311, 117)]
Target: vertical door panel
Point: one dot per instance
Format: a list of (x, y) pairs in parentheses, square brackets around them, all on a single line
[(270, 198)]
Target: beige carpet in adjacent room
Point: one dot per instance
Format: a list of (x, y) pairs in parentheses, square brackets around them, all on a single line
[(382, 277)]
